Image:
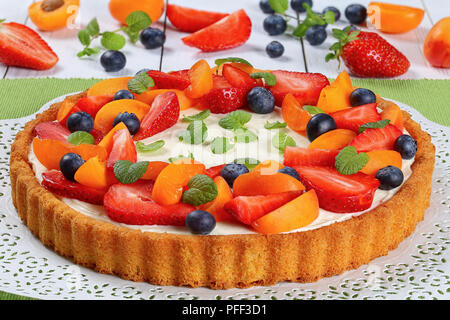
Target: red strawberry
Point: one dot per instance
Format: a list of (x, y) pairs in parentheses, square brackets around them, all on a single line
[(296, 156), (55, 182), (52, 130), (181, 74), (93, 104), (20, 46), (336, 192), (220, 82), (304, 86), (163, 114), (224, 100), (168, 81), (122, 149), (229, 32), (376, 139), (238, 78), (355, 117), (98, 136), (214, 171), (133, 204), (191, 20), (247, 209), (371, 56)]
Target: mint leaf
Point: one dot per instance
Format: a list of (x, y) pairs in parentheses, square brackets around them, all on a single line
[(374, 125), (244, 136), (152, 147), (133, 35), (202, 189), (173, 159), (84, 37), (92, 28), (329, 17), (301, 29), (268, 77), (128, 172), (279, 6), (80, 137), (112, 41), (250, 163), (140, 83), (349, 161), (199, 116), (196, 133), (220, 62), (235, 120), (2, 20), (138, 20), (281, 140), (312, 109), (221, 145), (275, 125)]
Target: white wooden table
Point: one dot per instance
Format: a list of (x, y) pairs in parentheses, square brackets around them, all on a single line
[(175, 55)]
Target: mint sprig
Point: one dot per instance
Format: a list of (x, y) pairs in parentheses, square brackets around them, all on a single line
[(221, 145), (235, 120), (313, 109), (199, 116), (152, 147), (268, 77), (80, 137), (202, 189), (140, 83), (312, 19), (374, 125), (349, 161), (275, 125), (196, 133), (220, 62), (281, 140), (128, 172)]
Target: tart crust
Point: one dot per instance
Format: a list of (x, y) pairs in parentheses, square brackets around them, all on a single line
[(219, 262)]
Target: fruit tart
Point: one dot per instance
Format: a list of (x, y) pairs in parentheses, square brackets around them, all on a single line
[(222, 177)]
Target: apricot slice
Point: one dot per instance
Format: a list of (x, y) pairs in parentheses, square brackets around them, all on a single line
[(106, 115), (201, 79), (49, 152), (154, 169), (109, 86), (381, 158), (107, 141), (295, 214), (333, 140), (394, 18), (293, 114), (169, 184), (224, 195), (65, 110), (394, 114), (256, 183), (336, 96), (93, 174), (268, 167), (87, 151), (148, 97), (49, 15)]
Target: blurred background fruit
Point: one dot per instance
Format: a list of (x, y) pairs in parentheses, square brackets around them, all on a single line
[(120, 9), (49, 15), (437, 44), (392, 18)]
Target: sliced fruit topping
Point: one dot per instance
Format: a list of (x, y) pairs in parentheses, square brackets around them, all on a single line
[(92, 104), (220, 82), (336, 96), (200, 222), (224, 100), (122, 148), (216, 207), (93, 174), (390, 177), (394, 114), (65, 110), (381, 158), (247, 209), (55, 182), (154, 168), (260, 100), (213, 172), (129, 120), (304, 86), (237, 78), (229, 32), (51, 130), (376, 139), (80, 121), (295, 214), (49, 151), (168, 81), (201, 79), (133, 204), (295, 156), (361, 96), (109, 87), (191, 20), (69, 164), (319, 124), (184, 101), (406, 146), (353, 118), (295, 116), (333, 140), (336, 192), (257, 183), (107, 141), (231, 171), (123, 94), (163, 114)]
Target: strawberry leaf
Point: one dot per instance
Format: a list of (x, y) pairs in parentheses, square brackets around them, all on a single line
[(128, 172), (349, 161), (202, 189)]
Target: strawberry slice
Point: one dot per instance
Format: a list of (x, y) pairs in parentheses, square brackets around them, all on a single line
[(184, 74), (55, 182), (191, 20), (133, 204), (229, 32), (247, 209), (238, 78), (296, 156), (93, 104), (220, 82), (163, 114), (336, 192), (122, 149), (52, 130), (168, 81), (355, 117), (376, 139), (21, 46), (224, 100), (214, 171), (304, 86)]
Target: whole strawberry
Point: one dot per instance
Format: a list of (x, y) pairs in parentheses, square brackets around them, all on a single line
[(366, 54)]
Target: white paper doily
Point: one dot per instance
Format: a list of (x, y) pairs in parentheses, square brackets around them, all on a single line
[(418, 269)]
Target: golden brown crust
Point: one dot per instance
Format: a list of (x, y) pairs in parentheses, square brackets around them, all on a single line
[(219, 262)]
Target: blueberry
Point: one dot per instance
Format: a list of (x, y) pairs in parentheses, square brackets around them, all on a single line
[(129, 120), (123, 94), (337, 13), (265, 6), (297, 5), (361, 97), (152, 38), (69, 164), (142, 70), (290, 171), (356, 13), (274, 24), (261, 100), (80, 121), (316, 35), (319, 124), (231, 171), (200, 222), (390, 177), (275, 49), (113, 60), (406, 146)]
